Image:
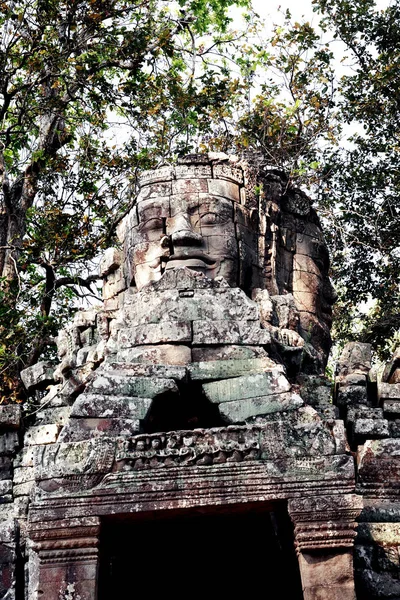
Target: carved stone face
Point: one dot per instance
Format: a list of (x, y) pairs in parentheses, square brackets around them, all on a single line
[(206, 216), (194, 228), (312, 289)]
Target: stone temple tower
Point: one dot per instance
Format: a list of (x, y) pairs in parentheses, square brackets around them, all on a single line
[(188, 426)]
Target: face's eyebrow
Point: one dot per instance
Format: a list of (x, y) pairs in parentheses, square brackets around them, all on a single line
[(153, 210), (215, 202)]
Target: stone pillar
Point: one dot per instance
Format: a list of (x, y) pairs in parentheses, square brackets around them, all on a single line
[(68, 558), (324, 537)]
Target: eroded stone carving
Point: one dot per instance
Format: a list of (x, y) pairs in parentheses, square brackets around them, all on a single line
[(200, 237), (217, 300)]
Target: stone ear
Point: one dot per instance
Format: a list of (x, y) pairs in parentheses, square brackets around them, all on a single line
[(254, 218)]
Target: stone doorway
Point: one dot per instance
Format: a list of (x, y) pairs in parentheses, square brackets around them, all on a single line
[(229, 553)]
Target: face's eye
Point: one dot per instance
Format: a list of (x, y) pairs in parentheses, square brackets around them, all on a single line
[(151, 225), (212, 218)]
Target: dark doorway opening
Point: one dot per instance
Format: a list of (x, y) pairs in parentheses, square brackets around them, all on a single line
[(226, 555), (187, 410)]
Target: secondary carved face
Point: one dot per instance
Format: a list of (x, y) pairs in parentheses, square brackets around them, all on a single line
[(312, 289), (196, 231)]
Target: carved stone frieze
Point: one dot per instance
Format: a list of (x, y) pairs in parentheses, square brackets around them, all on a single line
[(268, 440)]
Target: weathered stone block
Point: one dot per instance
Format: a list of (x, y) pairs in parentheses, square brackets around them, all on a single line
[(110, 261), (24, 458), (113, 285), (96, 405), (225, 369), (230, 332), (69, 388), (394, 427), (6, 487), (42, 434), (87, 337), (142, 387), (23, 489), (85, 318), (38, 376), (5, 467), (193, 172), (189, 186), (228, 171), (391, 408), (266, 307), (58, 416), (192, 304), (330, 569), (330, 592), (388, 391), (379, 464), (111, 304), (176, 372), (391, 374), (10, 416), (247, 386), (387, 534), (151, 176), (8, 531), (93, 428), (165, 354), (355, 358), (351, 394), (18, 509), (230, 352), (155, 333), (316, 390), (363, 412), (363, 556), (226, 189), (184, 279), (8, 443), (237, 411), (155, 190), (354, 379), (328, 412), (371, 428), (23, 474), (8, 557), (377, 585)]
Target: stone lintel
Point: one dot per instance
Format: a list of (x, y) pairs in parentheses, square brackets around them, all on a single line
[(179, 487)]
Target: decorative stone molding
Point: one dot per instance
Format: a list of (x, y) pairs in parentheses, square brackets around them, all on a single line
[(73, 540), (325, 521)]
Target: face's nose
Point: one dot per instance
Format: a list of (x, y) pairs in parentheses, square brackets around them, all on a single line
[(181, 232), (329, 292)]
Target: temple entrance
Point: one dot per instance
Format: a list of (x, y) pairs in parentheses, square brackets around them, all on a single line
[(221, 555)]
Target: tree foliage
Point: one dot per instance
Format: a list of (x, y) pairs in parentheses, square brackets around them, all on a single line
[(363, 179), (333, 126), (90, 92)]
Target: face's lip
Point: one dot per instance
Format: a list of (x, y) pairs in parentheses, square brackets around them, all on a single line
[(190, 258), (327, 318), (326, 313)]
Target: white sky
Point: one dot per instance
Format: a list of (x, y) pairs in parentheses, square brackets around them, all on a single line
[(298, 9)]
